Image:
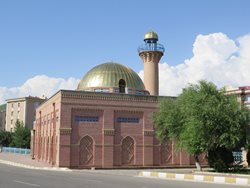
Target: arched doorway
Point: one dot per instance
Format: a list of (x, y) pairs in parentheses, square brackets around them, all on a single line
[(128, 150), (122, 86), (86, 153)]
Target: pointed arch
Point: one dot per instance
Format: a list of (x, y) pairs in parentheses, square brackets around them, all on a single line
[(128, 151), (86, 151)]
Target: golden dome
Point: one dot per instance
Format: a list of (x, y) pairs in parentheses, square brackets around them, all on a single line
[(151, 35), (108, 75)]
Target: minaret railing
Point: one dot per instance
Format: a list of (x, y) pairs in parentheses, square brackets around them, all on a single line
[(151, 47)]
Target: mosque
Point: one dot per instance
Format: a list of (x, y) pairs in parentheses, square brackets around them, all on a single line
[(107, 121)]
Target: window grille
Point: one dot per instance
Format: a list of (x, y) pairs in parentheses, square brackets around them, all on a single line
[(128, 120), (86, 118)]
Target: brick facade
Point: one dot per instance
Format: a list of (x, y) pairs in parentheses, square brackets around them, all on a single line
[(78, 129)]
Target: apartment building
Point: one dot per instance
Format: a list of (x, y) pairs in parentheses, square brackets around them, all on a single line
[(242, 93), (22, 109)]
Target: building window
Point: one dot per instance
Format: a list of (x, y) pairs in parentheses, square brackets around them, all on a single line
[(18, 105), (128, 120), (86, 119), (12, 113), (11, 122), (122, 85), (247, 98), (12, 105)]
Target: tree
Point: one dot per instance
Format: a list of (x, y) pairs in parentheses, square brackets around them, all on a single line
[(21, 136), (202, 120), (1, 121), (5, 138)]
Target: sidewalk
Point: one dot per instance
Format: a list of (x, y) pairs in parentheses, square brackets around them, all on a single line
[(25, 161), (233, 179)]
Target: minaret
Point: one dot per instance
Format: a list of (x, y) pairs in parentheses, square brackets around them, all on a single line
[(151, 53)]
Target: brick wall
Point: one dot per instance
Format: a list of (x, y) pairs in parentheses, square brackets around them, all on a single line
[(122, 135)]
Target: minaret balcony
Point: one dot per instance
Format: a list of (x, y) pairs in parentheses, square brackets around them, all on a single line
[(151, 47)]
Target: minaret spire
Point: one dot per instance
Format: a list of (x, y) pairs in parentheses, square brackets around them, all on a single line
[(151, 53)]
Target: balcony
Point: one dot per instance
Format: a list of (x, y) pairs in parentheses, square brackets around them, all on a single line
[(151, 47)]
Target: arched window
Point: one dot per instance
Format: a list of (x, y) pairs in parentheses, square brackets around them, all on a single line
[(122, 85), (86, 153)]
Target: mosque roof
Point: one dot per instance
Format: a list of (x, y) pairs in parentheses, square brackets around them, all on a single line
[(108, 75)]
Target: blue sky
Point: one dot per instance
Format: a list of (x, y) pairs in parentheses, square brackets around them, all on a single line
[(67, 38), (63, 39)]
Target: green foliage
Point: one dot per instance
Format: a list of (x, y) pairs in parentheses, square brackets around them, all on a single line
[(21, 136), (168, 120), (1, 122), (5, 138), (202, 119), (221, 159)]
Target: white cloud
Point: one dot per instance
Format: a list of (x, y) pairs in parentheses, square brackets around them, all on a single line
[(38, 86), (216, 58)]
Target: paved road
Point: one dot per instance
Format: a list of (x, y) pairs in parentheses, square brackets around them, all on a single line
[(14, 177)]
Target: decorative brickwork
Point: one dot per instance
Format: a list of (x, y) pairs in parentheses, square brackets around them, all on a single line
[(109, 132), (65, 131), (148, 132), (151, 56), (107, 96)]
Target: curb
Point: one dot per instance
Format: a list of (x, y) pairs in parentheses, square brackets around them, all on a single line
[(198, 178), (33, 167)]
